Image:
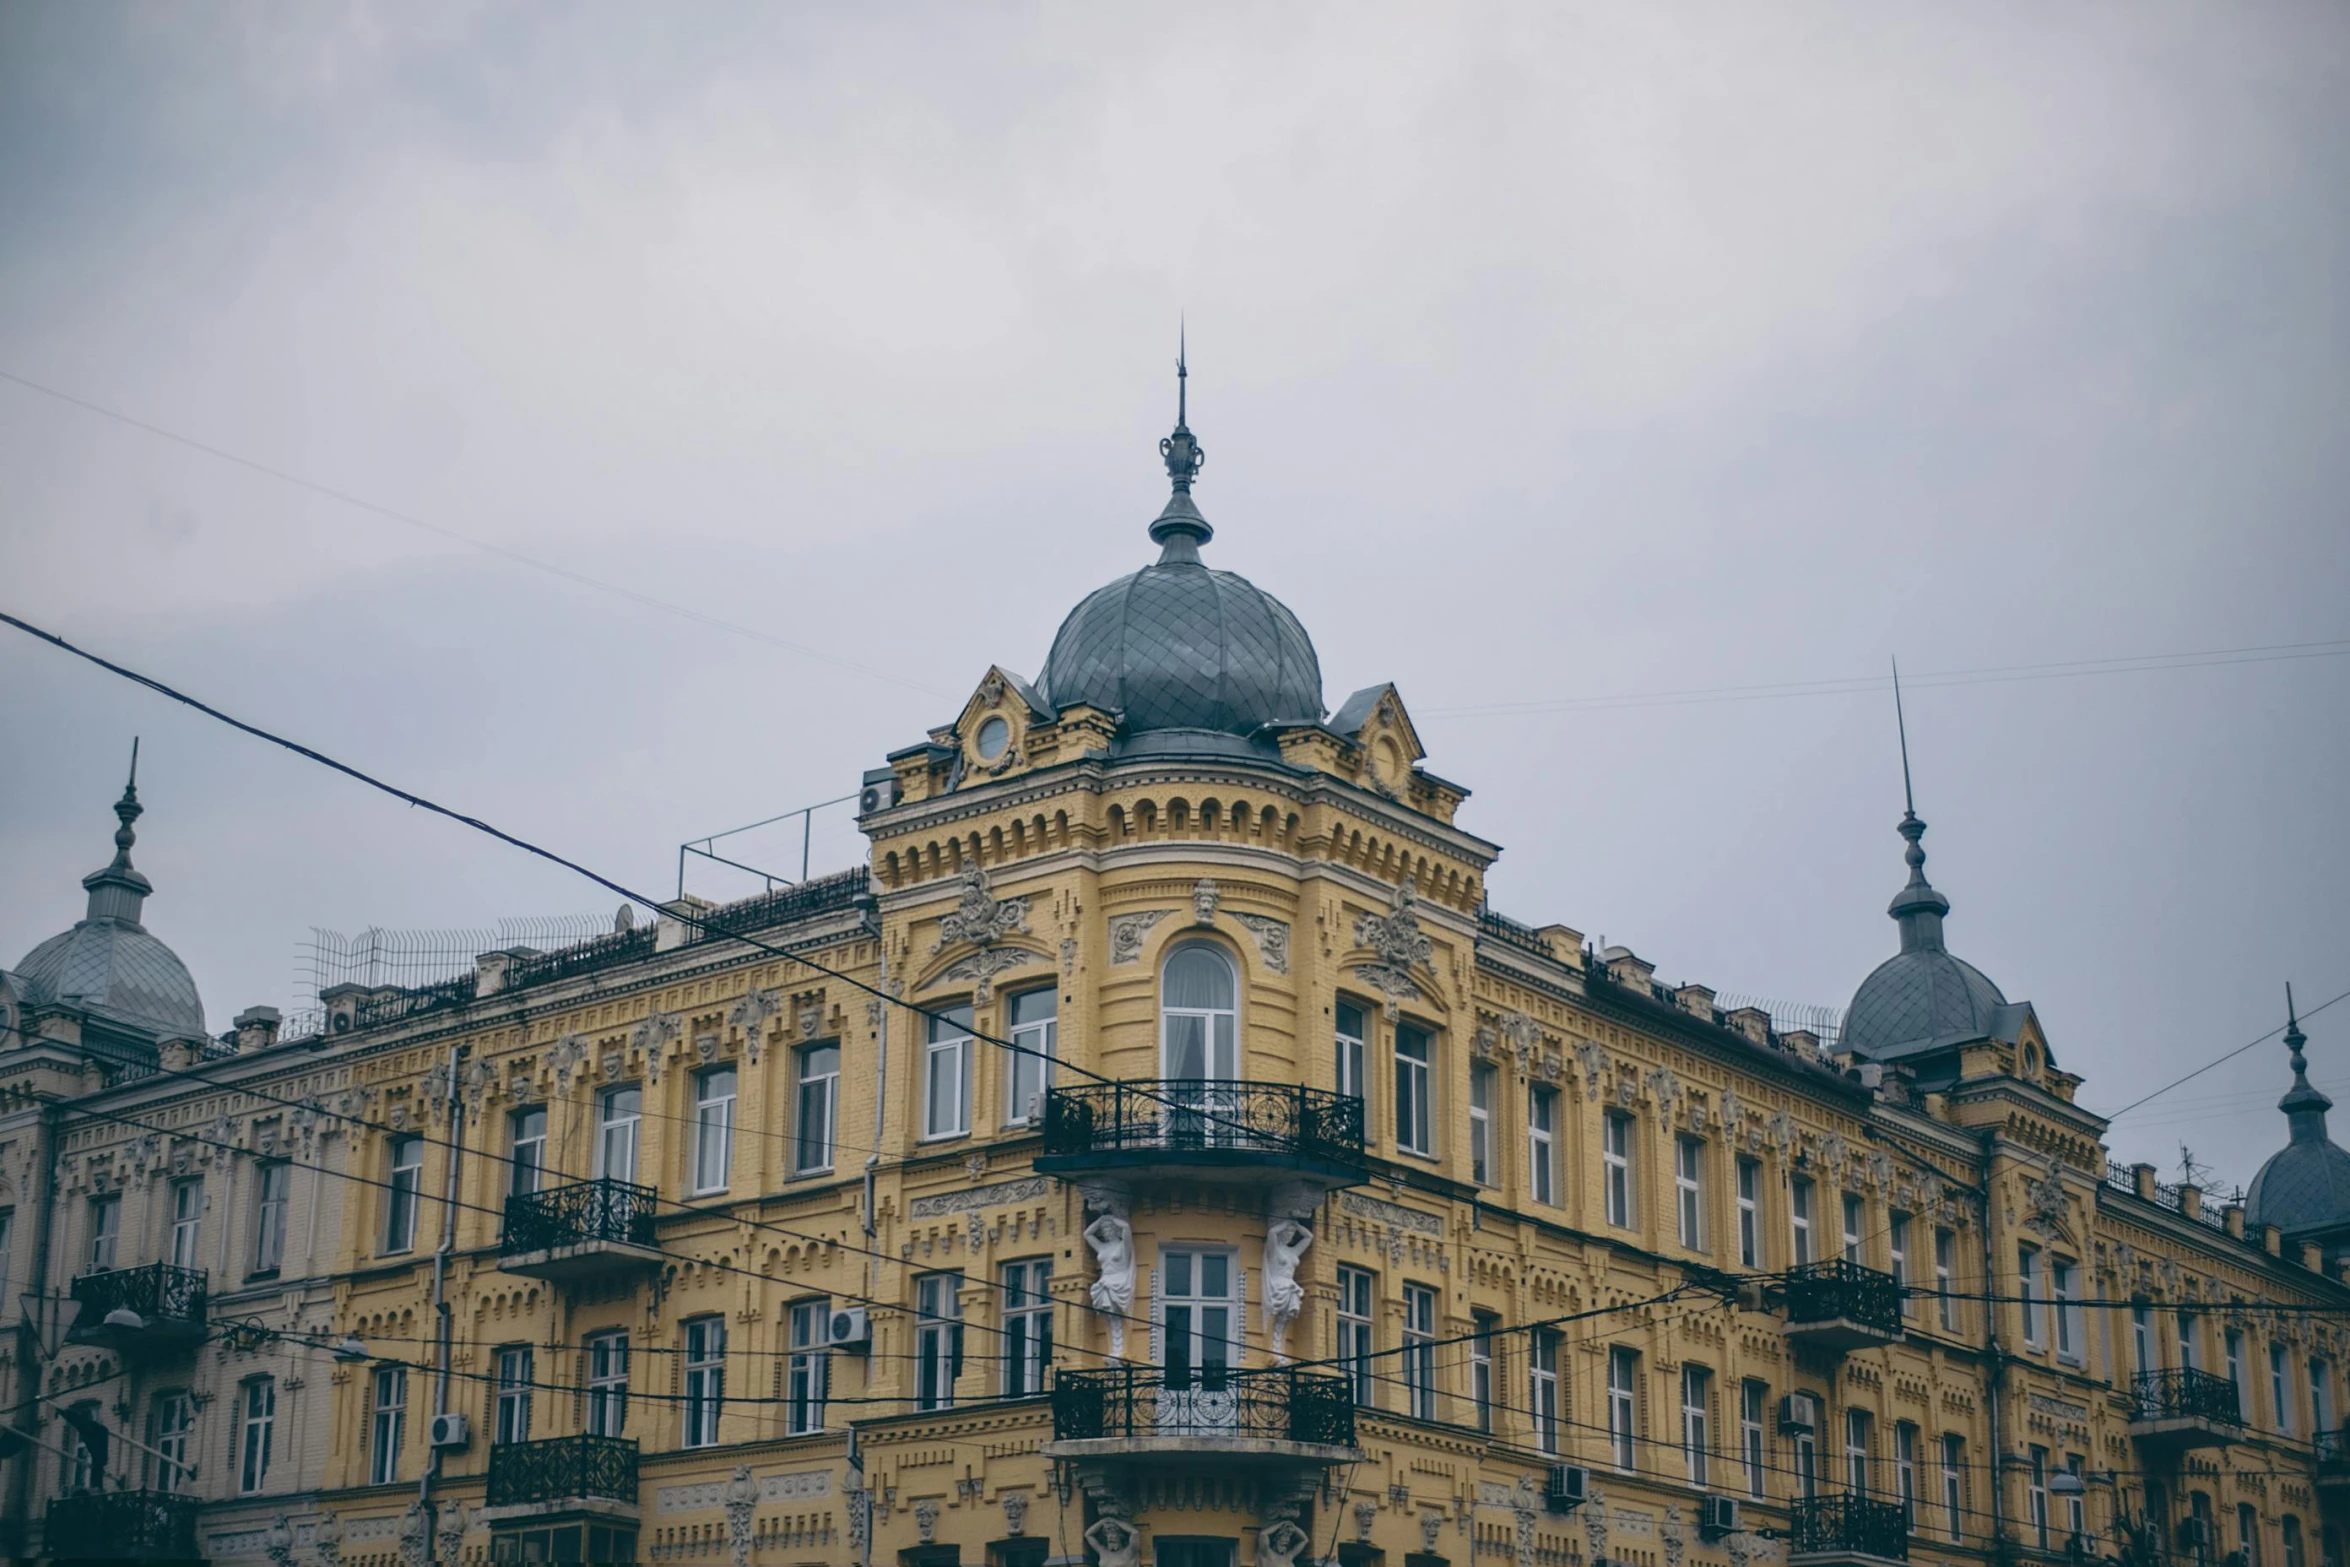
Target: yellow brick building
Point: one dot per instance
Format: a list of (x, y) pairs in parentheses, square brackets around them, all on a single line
[(1161, 1153)]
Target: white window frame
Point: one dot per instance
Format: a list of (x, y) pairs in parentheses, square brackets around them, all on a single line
[(705, 1380), (171, 1428), (526, 1143), (1415, 1095), (1623, 1407), (187, 1222), (406, 1193), (1689, 1191), (1542, 1145), (516, 1377), (607, 1382), (2027, 1274), (1028, 1070), (1615, 1167), (1897, 1257), (815, 1107), (620, 1121), (387, 1424), (1358, 1305), (1954, 1484), (1754, 1402), (256, 1433), (1855, 1227), (2280, 1384), (273, 1184), (1857, 1477), (1485, 1325), (2036, 1495), (2062, 1277), (1351, 1050), (1799, 1217), (1483, 1079), (946, 1074), (1750, 1227), (1028, 1325), (1419, 1351), (2321, 1396), (105, 1231), (1905, 1470), (1945, 1278), (808, 1371), (714, 1100), (2232, 1346), (1696, 1439), (1542, 1388), (938, 1339)]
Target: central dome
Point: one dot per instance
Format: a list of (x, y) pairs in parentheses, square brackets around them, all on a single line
[(1923, 996), (1191, 659)]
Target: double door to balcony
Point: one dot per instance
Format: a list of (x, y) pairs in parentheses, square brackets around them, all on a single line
[(1199, 1326)]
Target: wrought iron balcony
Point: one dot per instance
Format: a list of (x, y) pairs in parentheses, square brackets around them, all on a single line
[(158, 1306), (562, 1469), (122, 1526), (1841, 1305), (2181, 1407), (575, 1231), (1843, 1528), (1145, 1411), (1204, 1125), (2333, 1457)]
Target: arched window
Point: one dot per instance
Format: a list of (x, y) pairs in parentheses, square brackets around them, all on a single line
[(1198, 1033)]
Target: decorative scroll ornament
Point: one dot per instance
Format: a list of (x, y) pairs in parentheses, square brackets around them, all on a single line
[(1400, 945), (1664, 1086), (564, 1058), (1733, 1111), (1674, 1536), (979, 917), (415, 1536), (1834, 1150), (452, 1531), (277, 1542), (860, 1518), (1595, 1524), (742, 1498), (327, 1539), (980, 969), (1593, 1062), (1522, 1503), (1272, 939), (2046, 1199), (1524, 1034), (1129, 931), (752, 1014)]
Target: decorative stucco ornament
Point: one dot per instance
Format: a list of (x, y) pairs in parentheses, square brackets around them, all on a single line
[(1400, 946), (1115, 1542), (1595, 1524), (1272, 939), (1285, 1243), (742, 1500), (2045, 1201), (1128, 932), (1281, 1543), (1015, 1504), (926, 1521), (1524, 1034), (1674, 1536), (980, 917), (1112, 1291), (1366, 1514), (752, 1014), (451, 1531), (1203, 901)]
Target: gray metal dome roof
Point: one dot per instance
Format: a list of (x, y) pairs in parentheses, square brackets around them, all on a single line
[(2304, 1189), (1922, 995), (108, 965), (1192, 659)]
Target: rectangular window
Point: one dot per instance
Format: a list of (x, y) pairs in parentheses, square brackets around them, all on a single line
[(1754, 1398), (705, 1380), (1542, 1401), (1853, 1227), (2027, 1272), (946, 1073), (187, 1222), (1807, 1464), (257, 1433), (272, 1183), (938, 1339), (1905, 1470), (1355, 1294), (1689, 1191), (387, 1427), (1036, 1031), (1481, 1367), (2061, 1278), (2036, 1495), (2142, 1339), (2280, 1387), (1945, 1279), (1615, 1162), (1481, 1077), (2076, 1506), (2199, 1509), (527, 1163), (83, 1471), (1953, 1485), (168, 1427), (607, 1384), (620, 1114), (407, 1171), (815, 1106), (1750, 1253), (514, 1390), (1799, 1193), (2320, 1401), (713, 1128), (1856, 1451), (808, 1373), (1415, 1130), (1542, 1144), (1897, 1254), (1028, 1326), (105, 1228), (1419, 1350), (1623, 1376), (2189, 1357), (1350, 1035), (2234, 1346), (2292, 1532), (1696, 1437)]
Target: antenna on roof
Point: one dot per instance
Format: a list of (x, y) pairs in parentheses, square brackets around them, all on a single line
[(1909, 801)]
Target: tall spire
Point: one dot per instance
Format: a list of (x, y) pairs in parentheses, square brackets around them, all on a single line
[(1180, 528), (1917, 908), (118, 892), (2304, 1105)]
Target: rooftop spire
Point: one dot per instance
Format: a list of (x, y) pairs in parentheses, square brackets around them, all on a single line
[(1917, 908), (2304, 1105), (1180, 528), (118, 892)]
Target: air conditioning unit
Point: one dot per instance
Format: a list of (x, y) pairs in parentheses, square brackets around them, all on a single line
[(1570, 1485), (1716, 1516), (849, 1328), (880, 791), (1799, 1412), (451, 1430)]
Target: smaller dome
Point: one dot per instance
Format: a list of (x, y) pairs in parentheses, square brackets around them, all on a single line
[(2304, 1189), (1922, 995)]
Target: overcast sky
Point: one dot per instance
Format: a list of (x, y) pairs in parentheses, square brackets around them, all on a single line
[(1542, 355)]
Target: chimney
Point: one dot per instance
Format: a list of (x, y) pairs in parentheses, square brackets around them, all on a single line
[(257, 1029)]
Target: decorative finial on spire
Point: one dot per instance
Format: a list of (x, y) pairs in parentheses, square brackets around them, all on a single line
[(2294, 1038), (1918, 908), (2305, 1106), (1909, 799), (1180, 528), (128, 810)]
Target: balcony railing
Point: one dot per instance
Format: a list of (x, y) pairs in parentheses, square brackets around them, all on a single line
[(562, 1469), (1847, 1526), (169, 1300), (1276, 1403), (1841, 1291), (580, 1214), (123, 1526), (2182, 1393), (1203, 1116)]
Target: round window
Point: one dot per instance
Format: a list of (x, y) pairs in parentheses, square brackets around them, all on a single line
[(994, 735)]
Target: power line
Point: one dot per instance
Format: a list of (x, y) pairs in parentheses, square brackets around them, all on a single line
[(2219, 1061), (567, 573)]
